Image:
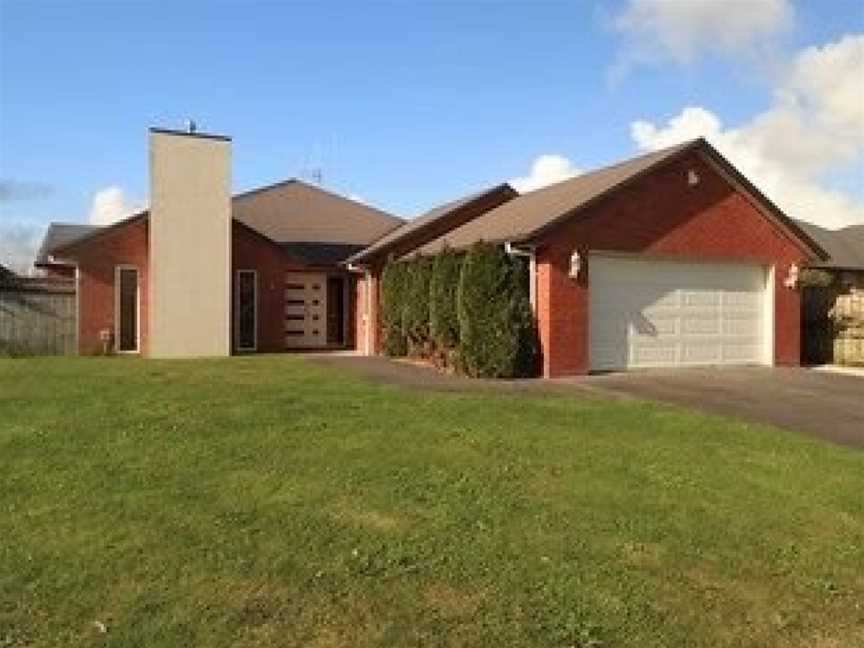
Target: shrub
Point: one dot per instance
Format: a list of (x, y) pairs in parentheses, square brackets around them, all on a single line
[(393, 290), (415, 318), (522, 318), (443, 315), (815, 278), (496, 336)]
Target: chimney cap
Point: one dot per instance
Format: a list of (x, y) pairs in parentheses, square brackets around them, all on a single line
[(186, 133)]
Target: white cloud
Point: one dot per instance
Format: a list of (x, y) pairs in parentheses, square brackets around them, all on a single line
[(18, 245), (815, 126), (110, 205), (546, 169), (684, 31)]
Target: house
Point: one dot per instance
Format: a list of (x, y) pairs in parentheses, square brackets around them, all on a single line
[(669, 259), (202, 273), (6, 273), (58, 236), (833, 314), (666, 260)]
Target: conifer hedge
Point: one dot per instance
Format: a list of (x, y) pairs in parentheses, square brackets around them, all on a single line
[(394, 285), (474, 307), (415, 318), (496, 338), (443, 314)]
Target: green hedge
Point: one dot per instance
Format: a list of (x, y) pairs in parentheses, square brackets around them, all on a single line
[(496, 338), (415, 319), (443, 313), (394, 286), (471, 310)]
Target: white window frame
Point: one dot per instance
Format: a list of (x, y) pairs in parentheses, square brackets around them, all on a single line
[(117, 310), (237, 274)]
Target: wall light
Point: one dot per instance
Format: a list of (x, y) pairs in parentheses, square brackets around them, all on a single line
[(791, 279), (575, 265)]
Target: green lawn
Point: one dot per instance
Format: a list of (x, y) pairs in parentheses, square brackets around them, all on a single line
[(267, 501)]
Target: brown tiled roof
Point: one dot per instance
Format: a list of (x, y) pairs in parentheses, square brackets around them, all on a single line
[(525, 218), (296, 212), (427, 220), (522, 217), (844, 246)]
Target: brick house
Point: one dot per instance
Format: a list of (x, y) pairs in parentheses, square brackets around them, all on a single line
[(669, 259)]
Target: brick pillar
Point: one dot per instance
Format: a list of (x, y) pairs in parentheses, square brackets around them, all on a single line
[(562, 315)]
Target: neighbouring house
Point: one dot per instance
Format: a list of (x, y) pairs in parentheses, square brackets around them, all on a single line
[(665, 260), (5, 273), (58, 236), (833, 313)]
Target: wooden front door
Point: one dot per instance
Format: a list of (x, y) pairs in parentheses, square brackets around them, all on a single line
[(305, 310)]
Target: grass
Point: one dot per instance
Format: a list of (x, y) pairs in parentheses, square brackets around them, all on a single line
[(267, 501)]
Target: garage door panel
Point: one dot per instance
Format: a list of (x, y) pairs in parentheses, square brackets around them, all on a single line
[(701, 324), (700, 354), (650, 313)]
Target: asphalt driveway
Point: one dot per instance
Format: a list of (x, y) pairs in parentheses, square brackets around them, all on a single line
[(819, 403), (823, 404)]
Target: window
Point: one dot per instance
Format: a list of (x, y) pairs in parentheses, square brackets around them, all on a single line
[(126, 309), (246, 310)]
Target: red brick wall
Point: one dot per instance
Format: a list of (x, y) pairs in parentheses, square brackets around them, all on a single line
[(251, 251), (128, 245), (97, 259), (359, 312), (660, 215), (363, 284)]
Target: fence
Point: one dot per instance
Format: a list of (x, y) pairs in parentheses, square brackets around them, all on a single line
[(834, 322), (37, 316)]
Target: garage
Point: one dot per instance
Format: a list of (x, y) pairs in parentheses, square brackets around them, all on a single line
[(648, 312)]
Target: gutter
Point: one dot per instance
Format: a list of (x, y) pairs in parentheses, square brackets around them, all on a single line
[(528, 251)]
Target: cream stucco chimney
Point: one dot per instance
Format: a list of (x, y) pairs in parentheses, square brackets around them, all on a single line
[(190, 244)]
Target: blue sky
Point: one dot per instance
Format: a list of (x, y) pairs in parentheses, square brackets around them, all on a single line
[(405, 103)]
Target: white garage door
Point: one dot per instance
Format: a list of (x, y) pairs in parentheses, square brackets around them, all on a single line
[(649, 313)]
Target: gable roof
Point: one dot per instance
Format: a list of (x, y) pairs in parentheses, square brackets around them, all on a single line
[(844, 246), (526, 218), (59, 235), (289, 212), (425, 222), (296, 212)]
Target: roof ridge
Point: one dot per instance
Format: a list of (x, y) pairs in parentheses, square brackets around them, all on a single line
[(294, 180)]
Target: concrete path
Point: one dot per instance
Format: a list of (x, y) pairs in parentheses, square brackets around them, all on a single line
[(825, 404)]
